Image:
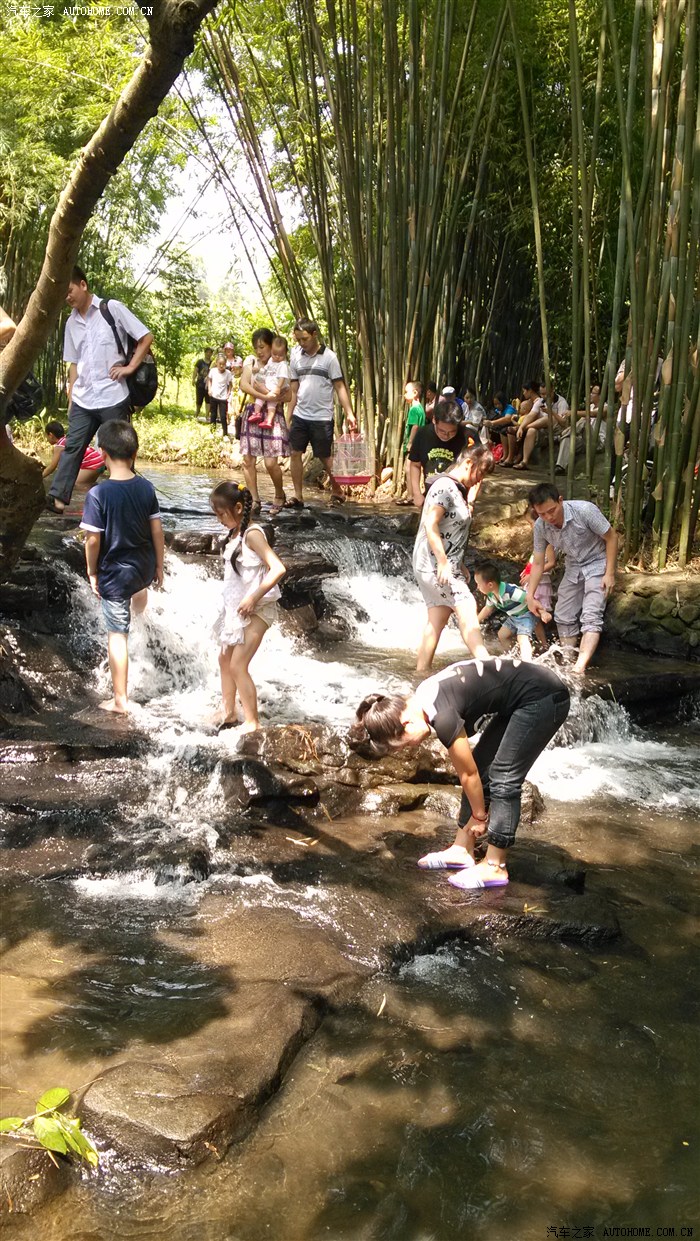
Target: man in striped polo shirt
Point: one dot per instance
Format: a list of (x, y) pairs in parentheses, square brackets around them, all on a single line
[(316, 376)]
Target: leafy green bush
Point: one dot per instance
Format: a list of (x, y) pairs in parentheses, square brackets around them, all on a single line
[(48, 1127), (171, 435), (174, 436)]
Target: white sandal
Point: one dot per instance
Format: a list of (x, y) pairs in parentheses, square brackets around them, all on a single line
[(436, 861)]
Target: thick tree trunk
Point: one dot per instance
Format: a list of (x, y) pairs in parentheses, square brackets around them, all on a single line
[(172, 29)]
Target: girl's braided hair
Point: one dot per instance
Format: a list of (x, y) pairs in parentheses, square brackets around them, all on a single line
[(377, 722), (227, 496)]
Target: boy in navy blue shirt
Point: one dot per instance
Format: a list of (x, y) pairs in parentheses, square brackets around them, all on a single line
[(124, 548)]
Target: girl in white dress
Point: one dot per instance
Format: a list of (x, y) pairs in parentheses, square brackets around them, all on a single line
[(251, 575)]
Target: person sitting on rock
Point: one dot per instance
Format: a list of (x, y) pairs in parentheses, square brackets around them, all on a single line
[(527, 705), (252, 572), (91, 466)]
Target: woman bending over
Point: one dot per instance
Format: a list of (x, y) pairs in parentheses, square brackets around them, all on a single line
[(527, 704)]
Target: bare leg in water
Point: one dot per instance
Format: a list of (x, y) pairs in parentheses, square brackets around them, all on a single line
[(118, 655), (235, 677)]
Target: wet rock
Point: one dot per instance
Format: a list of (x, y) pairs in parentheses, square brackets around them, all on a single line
[(544, 914), (203, 1092), (392, 799), (300, 620), (332, 629), (193, 542), (29, 1178), (16, 694)]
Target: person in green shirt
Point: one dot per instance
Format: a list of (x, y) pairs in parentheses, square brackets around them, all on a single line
[(413, 395)]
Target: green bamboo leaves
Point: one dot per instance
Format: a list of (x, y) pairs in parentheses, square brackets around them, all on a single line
[(50, 1128)]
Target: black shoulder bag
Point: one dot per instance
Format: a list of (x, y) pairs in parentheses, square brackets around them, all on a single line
[(143, 383)]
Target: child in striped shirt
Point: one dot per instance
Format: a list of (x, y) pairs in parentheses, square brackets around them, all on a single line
[(510, 603)]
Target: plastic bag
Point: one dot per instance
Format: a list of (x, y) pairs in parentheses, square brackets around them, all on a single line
[(352, 464)]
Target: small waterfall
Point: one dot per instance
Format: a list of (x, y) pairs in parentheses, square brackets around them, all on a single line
[(174, 675), (173, 666), (357, 557), (594, 719), (599, 753), (375, 589)]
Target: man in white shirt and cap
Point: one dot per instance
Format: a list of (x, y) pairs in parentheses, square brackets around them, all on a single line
[(97, 370)]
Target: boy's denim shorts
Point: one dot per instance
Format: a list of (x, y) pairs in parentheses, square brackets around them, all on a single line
[(117, 614), (520, 624)]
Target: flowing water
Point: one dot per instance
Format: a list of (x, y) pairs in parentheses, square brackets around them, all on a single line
[(489, 1089)]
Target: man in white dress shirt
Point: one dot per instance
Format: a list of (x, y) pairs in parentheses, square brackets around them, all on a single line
[(97, 388)]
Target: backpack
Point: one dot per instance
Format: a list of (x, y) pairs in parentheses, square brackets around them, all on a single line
[(26, 401), (143, 384)]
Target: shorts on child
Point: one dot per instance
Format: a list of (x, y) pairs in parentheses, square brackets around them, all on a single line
[(522, 626), (117, 614), (229, 628)]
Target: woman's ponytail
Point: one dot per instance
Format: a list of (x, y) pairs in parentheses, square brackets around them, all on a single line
[(377, 722), (227, 496)]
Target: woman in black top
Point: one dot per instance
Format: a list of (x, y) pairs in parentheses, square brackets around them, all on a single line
[(527, 704)]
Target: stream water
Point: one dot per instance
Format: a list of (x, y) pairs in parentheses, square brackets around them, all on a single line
[(493, 1089)]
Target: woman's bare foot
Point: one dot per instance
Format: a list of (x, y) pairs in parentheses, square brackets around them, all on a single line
[(455, 857), (484, 875), (250, 728), (117, 706)]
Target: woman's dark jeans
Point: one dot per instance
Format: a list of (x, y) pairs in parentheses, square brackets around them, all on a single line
[(505, 753)]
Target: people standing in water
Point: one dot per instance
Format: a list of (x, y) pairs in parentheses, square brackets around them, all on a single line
[(579, 529), (438, 554), (124, 548), (252, 572), (527, 703)]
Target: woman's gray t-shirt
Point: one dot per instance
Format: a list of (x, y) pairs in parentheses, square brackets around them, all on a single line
[(454, 526)]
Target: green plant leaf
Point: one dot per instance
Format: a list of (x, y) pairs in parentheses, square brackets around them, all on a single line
[(10, 1123), (49, 1133), (77, 1141), (53, 1099), (73, 1143)]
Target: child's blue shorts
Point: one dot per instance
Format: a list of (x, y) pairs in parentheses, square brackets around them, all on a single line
[(520, 624), (117, 614)]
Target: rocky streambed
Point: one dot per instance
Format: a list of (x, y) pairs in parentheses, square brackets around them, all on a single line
[(224, 949)]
